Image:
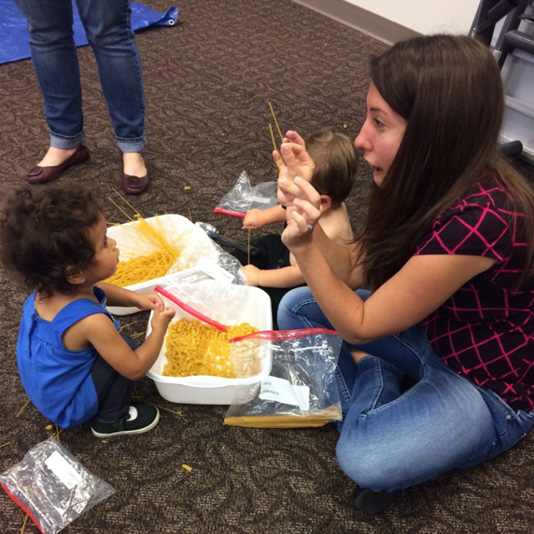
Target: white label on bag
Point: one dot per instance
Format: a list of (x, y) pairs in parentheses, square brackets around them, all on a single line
[(214, 271), (63, 470), (281, 390), (262, 200)]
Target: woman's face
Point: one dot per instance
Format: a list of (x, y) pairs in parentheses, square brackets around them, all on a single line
[(381, 134)]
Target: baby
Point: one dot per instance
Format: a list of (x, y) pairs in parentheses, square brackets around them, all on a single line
[(335, 167)]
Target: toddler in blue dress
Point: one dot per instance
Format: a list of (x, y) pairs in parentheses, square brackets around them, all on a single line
[(74, 364)]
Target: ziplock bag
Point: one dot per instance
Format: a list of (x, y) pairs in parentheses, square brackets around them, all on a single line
[(243, 197), (53, 487), (300, 390), (215, 264), (216, 299)]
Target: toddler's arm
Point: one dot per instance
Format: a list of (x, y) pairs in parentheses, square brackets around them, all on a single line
[(256, 218), (119, 296), (133, 364), (285, 277)]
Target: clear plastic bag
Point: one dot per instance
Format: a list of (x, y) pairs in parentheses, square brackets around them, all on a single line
[(243, 197), (216, 264), (215, 299), (53, 487), (300, 390)]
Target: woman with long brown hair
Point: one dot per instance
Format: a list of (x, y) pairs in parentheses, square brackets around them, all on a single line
[(437, 369)]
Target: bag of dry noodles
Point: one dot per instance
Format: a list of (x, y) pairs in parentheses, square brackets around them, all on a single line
[(300, 389)]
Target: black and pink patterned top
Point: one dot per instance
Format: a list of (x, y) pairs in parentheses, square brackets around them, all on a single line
[(485, 331)]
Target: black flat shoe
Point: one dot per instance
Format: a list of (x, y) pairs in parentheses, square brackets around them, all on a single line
[(373, 502)]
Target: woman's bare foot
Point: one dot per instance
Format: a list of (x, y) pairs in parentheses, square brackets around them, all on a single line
[(56, 156), (134, 164), (134, 179)]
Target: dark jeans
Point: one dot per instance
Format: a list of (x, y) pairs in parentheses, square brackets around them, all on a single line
[(113, 390)]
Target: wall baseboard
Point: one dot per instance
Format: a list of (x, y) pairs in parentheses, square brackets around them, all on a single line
[(360, 19)]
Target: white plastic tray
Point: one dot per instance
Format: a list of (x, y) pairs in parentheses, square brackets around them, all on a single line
[(195, 244), (254, 307)]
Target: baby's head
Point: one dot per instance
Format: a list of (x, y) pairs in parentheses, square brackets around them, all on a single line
[(44, 235), (336, 163)]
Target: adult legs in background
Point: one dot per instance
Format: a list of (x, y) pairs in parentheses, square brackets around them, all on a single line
[(109, 32), (108, 29), (55, 62), (392, 439)]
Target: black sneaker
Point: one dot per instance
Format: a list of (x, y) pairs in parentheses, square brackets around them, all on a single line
[(373, 502), (140, 419)]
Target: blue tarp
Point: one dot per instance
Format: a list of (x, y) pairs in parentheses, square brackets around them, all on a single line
[(14, 36)]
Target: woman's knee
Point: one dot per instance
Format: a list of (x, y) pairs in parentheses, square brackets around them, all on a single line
[(293, 298), (289, 308), (433, 428), (383, 463), (368, 468)]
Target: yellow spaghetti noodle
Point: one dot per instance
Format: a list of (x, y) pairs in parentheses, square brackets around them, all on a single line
[(276, 123), (142, 267), (194, 348)]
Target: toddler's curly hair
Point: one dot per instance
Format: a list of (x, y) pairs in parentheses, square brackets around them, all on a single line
[(44, 235)]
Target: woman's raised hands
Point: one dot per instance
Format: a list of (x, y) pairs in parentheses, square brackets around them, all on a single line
[(303, 210), (295, 160)]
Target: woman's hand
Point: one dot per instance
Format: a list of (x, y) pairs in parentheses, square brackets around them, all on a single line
[(303, 211), (294, 137), (292, 160), (295, 161)]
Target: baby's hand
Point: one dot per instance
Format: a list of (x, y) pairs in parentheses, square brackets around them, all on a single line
[(252, 274), (253, 219), (149, 301)]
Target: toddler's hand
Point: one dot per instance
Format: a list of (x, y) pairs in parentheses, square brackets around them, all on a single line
[(162, 318), (253, 219), (149, 301), (252, 274)]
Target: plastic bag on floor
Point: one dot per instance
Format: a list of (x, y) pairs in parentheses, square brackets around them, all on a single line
[(300, 390), (53, 487)]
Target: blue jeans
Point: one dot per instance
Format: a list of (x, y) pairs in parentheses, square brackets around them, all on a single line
[(55, 60), (392, 437)]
